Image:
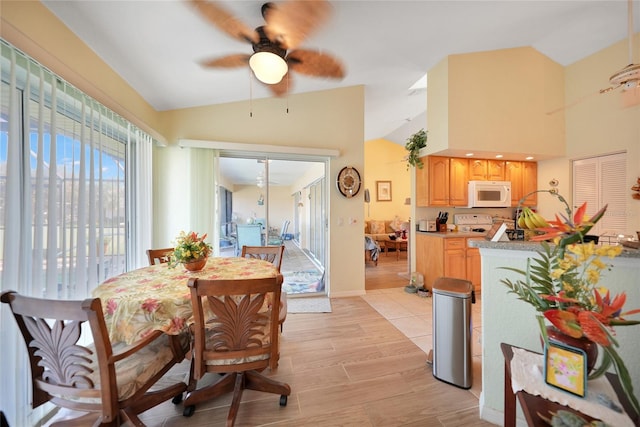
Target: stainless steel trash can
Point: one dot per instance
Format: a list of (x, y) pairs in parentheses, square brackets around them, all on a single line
[(452, 299)]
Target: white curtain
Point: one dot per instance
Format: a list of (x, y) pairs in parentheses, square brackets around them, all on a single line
[(142, 200), (65, 202)]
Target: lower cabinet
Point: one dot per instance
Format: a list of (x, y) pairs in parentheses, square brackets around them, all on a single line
[(449, 257)]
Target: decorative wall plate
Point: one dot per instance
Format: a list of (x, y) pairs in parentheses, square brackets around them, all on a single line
[(348, 181)]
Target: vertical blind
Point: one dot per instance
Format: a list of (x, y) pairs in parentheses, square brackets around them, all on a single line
[(69, 172)]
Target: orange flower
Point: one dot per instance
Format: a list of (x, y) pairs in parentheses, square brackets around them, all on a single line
[(565, 321), (573, 232), (592, 327)]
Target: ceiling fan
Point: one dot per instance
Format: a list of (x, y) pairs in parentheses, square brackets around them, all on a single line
[(628, 78), (275, 44)]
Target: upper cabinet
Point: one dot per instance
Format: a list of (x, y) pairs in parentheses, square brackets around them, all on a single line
[(486, 170), (458, 182), (443, 181), (524, 180)]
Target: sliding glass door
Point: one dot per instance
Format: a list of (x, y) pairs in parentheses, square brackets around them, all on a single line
[(278, 193), (317, 220)]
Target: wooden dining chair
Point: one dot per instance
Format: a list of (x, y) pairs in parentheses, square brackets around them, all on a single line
[(159, 256), (110, 382), (273, 254), (239, 342)]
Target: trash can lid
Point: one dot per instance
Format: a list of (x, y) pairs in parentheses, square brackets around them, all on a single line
[(453, 287)]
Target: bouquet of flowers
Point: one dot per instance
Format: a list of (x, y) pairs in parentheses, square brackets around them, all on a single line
[(562, 285), (189, 247)]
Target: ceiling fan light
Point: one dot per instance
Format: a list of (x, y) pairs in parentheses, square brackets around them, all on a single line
[(268, 67)]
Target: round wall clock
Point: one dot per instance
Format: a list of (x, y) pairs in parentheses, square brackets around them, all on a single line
[(348, 181)]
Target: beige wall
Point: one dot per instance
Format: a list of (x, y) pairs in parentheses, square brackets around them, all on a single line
[(332, 119), (245, 203), (496, 101), (384, 161), (599, 124)]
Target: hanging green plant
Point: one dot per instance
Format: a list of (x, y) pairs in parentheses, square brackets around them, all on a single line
[(414, 143)]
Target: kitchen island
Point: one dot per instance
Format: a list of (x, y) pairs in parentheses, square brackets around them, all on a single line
[(507, 319), (448, 254)]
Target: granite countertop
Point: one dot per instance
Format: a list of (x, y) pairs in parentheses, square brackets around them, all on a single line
[(450, 234), (535, 246)]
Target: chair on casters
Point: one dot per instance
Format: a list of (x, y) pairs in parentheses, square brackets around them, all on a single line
[(239, 343), (249, 235), (108, 381), (159, 256), (273, 254)]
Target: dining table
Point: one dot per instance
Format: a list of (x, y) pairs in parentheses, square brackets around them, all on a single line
[(138, 302)]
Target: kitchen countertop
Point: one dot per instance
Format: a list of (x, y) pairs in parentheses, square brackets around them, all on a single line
[(450, 234), (534, 246)]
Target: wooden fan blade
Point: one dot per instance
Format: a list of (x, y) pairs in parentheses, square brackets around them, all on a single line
[(282, 88), (229, 61), (314, 63), (225, 21), (290, 23)]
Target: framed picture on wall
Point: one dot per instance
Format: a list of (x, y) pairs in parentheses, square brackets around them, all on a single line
[(383, 191)]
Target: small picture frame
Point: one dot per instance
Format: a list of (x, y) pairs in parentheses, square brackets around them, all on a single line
[(565, 368), (383, 191)]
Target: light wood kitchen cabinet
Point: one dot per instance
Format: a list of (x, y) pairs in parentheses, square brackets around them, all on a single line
[(513, 173), (473, 268), (458, 182), (455, 258), (524, 179), (486, 170), (477, 170), (438, 181), (447, 257), (422, 183), (530, 182), (495, 170), (443, 181)]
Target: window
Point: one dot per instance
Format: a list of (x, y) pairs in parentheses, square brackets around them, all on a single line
[(67, 180), (601, 181)]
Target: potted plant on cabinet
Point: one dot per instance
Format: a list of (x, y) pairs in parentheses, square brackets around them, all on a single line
[(414, 143)]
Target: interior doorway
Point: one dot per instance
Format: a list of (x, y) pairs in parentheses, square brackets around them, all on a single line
[(286, 197)]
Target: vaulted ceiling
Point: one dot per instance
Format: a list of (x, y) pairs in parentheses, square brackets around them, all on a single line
[(387, 46)]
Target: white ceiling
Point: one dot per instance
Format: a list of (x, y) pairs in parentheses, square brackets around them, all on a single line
[(241, 171), (155, 45), (387, 46)]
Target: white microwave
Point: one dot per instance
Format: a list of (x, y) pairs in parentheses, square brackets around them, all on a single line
[(489, 194)]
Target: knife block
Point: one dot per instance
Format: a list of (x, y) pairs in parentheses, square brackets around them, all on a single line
[(442, 226)]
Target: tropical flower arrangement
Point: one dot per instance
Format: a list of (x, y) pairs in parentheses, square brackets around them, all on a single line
[(189, 247), (562, 285)]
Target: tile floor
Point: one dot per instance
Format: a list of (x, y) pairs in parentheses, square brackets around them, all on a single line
[(412, 315)]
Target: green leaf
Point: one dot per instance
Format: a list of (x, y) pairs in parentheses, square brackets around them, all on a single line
[(623, 375)]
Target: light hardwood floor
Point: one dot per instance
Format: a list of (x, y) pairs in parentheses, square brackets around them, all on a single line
[(351, 367)]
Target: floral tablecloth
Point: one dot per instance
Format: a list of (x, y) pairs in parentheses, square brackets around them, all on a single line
[(152, 298)]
